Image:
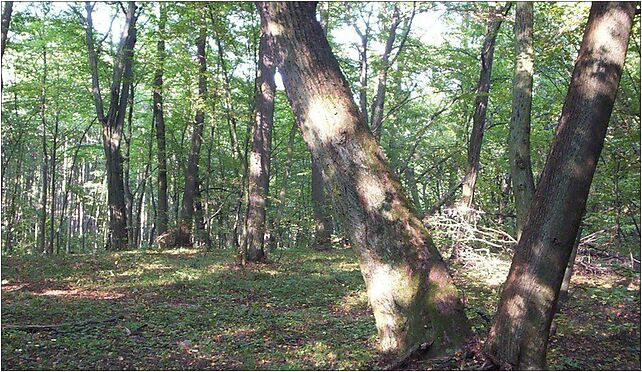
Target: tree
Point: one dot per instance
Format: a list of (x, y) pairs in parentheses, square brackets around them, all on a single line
[(519, 334), (112, 123), (6, 20), (191, 193), (409, 288), (259, 160), (481, 105), (159, 120), (520, 123)]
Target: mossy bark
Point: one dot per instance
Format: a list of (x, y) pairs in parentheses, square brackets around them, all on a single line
[(409, 288)]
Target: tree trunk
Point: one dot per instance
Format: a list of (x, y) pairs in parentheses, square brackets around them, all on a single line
[(409, 288), (161, 157), (322, 220), (52, 226), (380, 95), (276, 230), (185, 232), (112, 123), (519, 334), (259, 162), (481, 104), (6, 20), (520, 123), (45, 162)]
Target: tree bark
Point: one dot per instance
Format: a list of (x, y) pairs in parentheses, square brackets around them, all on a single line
[(45, 159), (6, 21), (409, 288), (161, 157), (520, 123), (185, 233), (112, 123), (259, 162), (519, 334), (322, 220), (52, 209), (481, 105)]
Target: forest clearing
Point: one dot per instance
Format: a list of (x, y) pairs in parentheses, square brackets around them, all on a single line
[(320, 186)]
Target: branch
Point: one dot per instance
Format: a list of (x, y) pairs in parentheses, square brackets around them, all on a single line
[(54, 327)]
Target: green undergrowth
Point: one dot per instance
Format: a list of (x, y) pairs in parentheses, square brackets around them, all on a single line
[(185, 309)]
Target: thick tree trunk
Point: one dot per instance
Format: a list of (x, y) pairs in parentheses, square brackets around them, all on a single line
[(320, 211), (409, 288), (259, 162), (6, 20), (519, 334), (481, 105), (520, 123), (112, 123), (185, 232), (159, 118)]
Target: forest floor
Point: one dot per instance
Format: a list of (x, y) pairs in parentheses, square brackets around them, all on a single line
[(184, 309)]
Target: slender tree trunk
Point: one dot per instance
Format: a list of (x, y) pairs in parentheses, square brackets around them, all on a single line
[(363, 69), (276, 230), (322, 220), (519, 334), (520, 123), (410, 290), (45, 159), (481, 104), (6, 20), (380, 95), (259, 162), (161, 157), (129, 196), (65, 198), (186, 232), (52, 226)]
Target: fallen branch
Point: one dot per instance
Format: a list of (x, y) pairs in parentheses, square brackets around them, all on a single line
[(54, 327), (405, 356)]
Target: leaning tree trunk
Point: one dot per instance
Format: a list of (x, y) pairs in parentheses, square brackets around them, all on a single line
[(320, 209), (162, 212), (520, 122), (185, 235), (259, 162), (520, 330), (481, 105), (409, 288)]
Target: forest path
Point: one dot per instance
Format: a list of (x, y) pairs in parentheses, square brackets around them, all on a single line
[(185, 309)]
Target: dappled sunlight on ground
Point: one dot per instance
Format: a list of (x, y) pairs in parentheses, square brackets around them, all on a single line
[(187, 309)]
